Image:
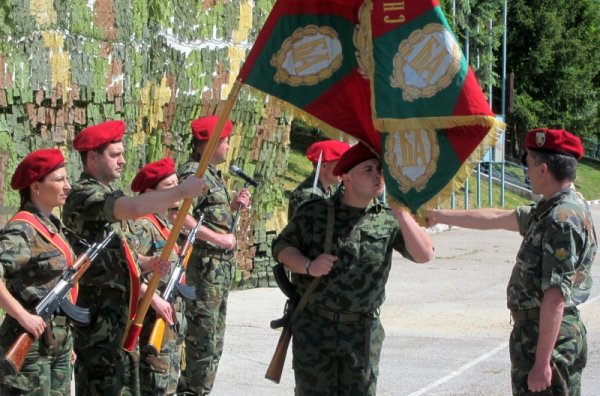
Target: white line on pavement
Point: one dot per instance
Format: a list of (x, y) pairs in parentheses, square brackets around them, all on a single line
[(472, 363), (460, 370)]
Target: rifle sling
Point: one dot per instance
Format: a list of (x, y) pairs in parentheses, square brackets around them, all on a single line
[(326, 249)]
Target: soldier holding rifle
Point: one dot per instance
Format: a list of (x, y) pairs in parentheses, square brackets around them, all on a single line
[(33, 255), (111, 288), (159, 370), (552, 273), (211, 264), (337, 337), (324, 155)]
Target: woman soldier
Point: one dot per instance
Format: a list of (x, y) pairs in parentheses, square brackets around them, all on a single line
[(33, 255), (159, 374)]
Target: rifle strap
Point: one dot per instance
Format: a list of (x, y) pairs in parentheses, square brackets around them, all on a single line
[(326, 249), (53, 238)]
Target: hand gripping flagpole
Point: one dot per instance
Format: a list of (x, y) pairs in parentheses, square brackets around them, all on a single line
[(132, 332)]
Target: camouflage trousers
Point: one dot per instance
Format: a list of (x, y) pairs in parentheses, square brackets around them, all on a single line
[(47, 368), (103, 367), (334, 357), (159, 374), (206, 323), (569, 356)]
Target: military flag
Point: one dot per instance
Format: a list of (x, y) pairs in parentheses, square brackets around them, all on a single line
[(305, 56), (339, 64), (426, 100)]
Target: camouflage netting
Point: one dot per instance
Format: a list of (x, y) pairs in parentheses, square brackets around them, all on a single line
[(156, 64)]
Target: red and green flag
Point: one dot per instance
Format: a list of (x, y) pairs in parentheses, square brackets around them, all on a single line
[(420, 76), (426, 100), (305, 56), (361, 67)]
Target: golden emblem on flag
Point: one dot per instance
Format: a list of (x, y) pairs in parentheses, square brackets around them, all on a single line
[(311, 54), (426, 62), (412, 157)]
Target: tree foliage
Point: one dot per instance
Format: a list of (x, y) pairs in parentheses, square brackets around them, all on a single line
[(554, 54), (478, 22)]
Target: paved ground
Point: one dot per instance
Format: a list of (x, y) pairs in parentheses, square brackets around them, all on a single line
[(446, 325)]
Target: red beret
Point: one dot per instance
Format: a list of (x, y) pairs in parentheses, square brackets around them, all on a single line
[(152, 173), (96, 136), (202, 128), (332, 150), (357, 154), (554, 140), (35, 166)]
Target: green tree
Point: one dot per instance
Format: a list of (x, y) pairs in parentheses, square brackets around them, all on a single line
[(481, 22), (554, 54)]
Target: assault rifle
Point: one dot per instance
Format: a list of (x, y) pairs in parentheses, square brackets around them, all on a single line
[(56, 300), (174, 287)]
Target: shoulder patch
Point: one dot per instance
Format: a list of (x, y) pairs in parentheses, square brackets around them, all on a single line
[(561, 254)]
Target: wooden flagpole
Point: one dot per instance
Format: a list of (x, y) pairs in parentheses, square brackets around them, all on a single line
[(134, 328)]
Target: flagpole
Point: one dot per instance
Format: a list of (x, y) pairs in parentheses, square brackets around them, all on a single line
[(134, 328)]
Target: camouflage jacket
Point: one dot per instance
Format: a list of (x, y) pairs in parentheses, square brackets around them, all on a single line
[(558, 248), (89, 207), (303, 192), (29, 264), (152, 242), (363, 240), (216, 205)]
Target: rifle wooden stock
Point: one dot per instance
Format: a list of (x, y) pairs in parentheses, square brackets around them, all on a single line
[(278, 360), (131, 337), (15, 356), (156, 336), (13, 361)]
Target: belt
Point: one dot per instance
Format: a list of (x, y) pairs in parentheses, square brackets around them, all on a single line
[(337, 316), (534, 313)]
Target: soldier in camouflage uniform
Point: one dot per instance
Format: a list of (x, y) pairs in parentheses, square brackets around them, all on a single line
[(211, 265), (548, 347), (110, 288), (159, 373), (330, 152), (33, 255), (337, 337)]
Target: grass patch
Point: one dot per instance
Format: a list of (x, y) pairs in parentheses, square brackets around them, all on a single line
[(588, 179)]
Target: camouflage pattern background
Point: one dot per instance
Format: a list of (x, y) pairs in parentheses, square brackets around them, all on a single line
[(159, 374), (67, 64), (210, 270), (103, 367), (30, 267)]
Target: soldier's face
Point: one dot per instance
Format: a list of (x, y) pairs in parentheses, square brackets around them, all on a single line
[(220, 154), (111, 161), (166, 183), (328, 172), (53, 190), (366, 179), (534, 173)]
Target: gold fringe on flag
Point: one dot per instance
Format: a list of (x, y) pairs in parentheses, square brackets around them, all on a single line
[(461, 176)]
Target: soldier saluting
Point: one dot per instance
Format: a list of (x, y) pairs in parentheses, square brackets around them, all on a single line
[(337, 337), (110, 289)]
